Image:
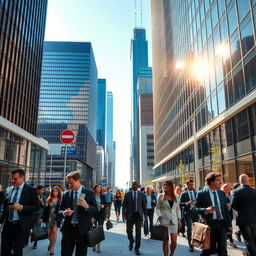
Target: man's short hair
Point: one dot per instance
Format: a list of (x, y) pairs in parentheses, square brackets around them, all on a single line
[(189, 181), (39, 187), (211, 177), (75, 175), (21, 172)]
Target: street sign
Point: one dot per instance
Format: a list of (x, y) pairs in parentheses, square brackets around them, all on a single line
[(67, 137), (71, 151)]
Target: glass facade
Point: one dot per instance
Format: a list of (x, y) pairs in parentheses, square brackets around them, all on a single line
[(101, 112), (68, 95), (22, 28), (205, 97)]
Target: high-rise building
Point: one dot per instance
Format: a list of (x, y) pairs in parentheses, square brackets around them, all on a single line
[(22, 28), (109, 141), (139, 58), (68, 100), (204, 64), (101, 112), (100, 166)]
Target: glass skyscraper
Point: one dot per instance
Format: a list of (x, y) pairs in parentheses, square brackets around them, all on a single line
[(139, 58), (204, 63), (68, 97), (101, 112), (22, 28)]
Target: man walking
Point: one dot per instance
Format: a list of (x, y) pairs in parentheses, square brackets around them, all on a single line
[(150, 205), (17, 216), (78, 206), (244, 199), (211, 204), (187, 201), (109, 197), (134, 207)]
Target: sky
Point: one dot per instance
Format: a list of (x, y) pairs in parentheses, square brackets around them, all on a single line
[(108, 25)]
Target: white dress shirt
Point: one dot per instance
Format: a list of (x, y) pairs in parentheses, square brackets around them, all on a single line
[(15, 214)]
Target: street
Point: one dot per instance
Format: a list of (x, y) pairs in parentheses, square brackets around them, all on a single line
[(116, 243)]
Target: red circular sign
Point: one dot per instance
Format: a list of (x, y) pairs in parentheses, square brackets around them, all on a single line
[(67, 137)]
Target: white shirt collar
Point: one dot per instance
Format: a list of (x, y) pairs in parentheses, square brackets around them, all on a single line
[(21, 186)]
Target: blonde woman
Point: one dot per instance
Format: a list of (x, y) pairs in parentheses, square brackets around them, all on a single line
[(168, 210)]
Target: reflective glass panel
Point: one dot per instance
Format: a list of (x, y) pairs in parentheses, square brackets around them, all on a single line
[(227, 140), (242, 7), (239, 85), (229, 172), (247, 39), (221, 98), (235, 51), (252, 117), (214, 105), (232, 20), (250, 74)]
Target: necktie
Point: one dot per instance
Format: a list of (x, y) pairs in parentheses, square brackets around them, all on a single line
[(134, 201), (14, 200), (191, 198), (216, 205), (75, 216)]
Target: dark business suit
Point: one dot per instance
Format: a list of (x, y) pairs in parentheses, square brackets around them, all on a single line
[(14, 233), (74, 235), (150, 211), (189, 216), (218, 227), (244, 199), (134, 216)]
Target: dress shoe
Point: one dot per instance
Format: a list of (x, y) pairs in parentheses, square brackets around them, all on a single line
[(137, 252), (191, 249), (130, 247)]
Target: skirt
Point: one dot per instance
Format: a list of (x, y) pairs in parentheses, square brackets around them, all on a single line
[(172, 228)]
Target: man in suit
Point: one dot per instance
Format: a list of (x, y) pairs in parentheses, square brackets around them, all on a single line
[(79, 207), (211, 204), (244, 199), (17, 216), (187, 201), (150, 205), (134, 207)]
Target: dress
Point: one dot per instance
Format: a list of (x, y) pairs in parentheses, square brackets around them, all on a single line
[(52, 215)]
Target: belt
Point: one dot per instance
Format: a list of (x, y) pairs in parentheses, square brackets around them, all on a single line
[(14, 222), (74, 225)]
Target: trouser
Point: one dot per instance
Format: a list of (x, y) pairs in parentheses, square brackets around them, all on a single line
[(249, 235), (182, 228), (150, 216), (137, 221), (71, 239), (189, 220), (13, 237), (218, 237), (107, 211)]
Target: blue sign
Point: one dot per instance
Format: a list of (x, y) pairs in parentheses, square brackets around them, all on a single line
[(71, 151)]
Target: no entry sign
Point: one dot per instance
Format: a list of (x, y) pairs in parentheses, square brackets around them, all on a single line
[(67, 137)]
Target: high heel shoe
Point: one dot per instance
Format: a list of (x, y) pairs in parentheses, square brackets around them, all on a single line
[(51, 252)]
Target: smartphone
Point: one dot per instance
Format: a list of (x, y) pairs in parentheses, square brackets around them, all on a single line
[(10, 203), (82, 196)]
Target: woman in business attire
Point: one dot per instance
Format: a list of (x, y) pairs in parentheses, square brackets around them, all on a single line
[(168, 210), (99, 217), (51, 216)]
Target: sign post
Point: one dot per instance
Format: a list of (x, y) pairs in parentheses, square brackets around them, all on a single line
[(66, 137)]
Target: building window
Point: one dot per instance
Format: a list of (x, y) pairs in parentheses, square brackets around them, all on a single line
[(239, 85), (247, 39), (229, 172), (250, 74), (252, 117), (227, 141)]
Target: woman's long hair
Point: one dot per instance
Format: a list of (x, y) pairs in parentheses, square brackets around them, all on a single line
[(95, 188), (50, 198), (169, 184)]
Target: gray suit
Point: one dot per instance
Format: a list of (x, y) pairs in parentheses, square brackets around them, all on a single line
[(134, 215)]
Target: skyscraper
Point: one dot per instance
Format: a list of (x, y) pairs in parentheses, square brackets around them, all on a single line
[(68, 98), (204, 63), (22, 28), (139, 58), (101, 112)]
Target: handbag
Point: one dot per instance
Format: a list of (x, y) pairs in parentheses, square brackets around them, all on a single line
[(159, 231), (95, 236), (201, 236), (109, 225), (39, 233)]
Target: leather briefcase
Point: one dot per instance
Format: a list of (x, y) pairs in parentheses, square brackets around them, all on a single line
[(95, 236), (201, 236), (159, 231)]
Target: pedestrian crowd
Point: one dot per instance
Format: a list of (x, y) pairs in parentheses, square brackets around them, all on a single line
[(27, 210)]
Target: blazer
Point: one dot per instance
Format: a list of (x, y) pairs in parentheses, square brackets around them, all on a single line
[(244, 199), (184, 198), (153, 197), (84, 215), (128, 205), (46, 214), (203, 201), (29, 201), (171, 215)]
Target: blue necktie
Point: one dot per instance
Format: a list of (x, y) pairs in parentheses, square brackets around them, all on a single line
[(75, 216), (11, 211)]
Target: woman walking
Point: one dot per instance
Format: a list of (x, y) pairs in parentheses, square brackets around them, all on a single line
[(51, 216), (99, 217), (168, 210), (118, 204)]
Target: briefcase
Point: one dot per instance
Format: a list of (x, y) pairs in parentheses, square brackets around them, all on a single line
[(201, 236), (95, 236), (159, 231), (39, 233), (109, 225)]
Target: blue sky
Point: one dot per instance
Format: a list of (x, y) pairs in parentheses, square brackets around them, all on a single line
[(108, 24)]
